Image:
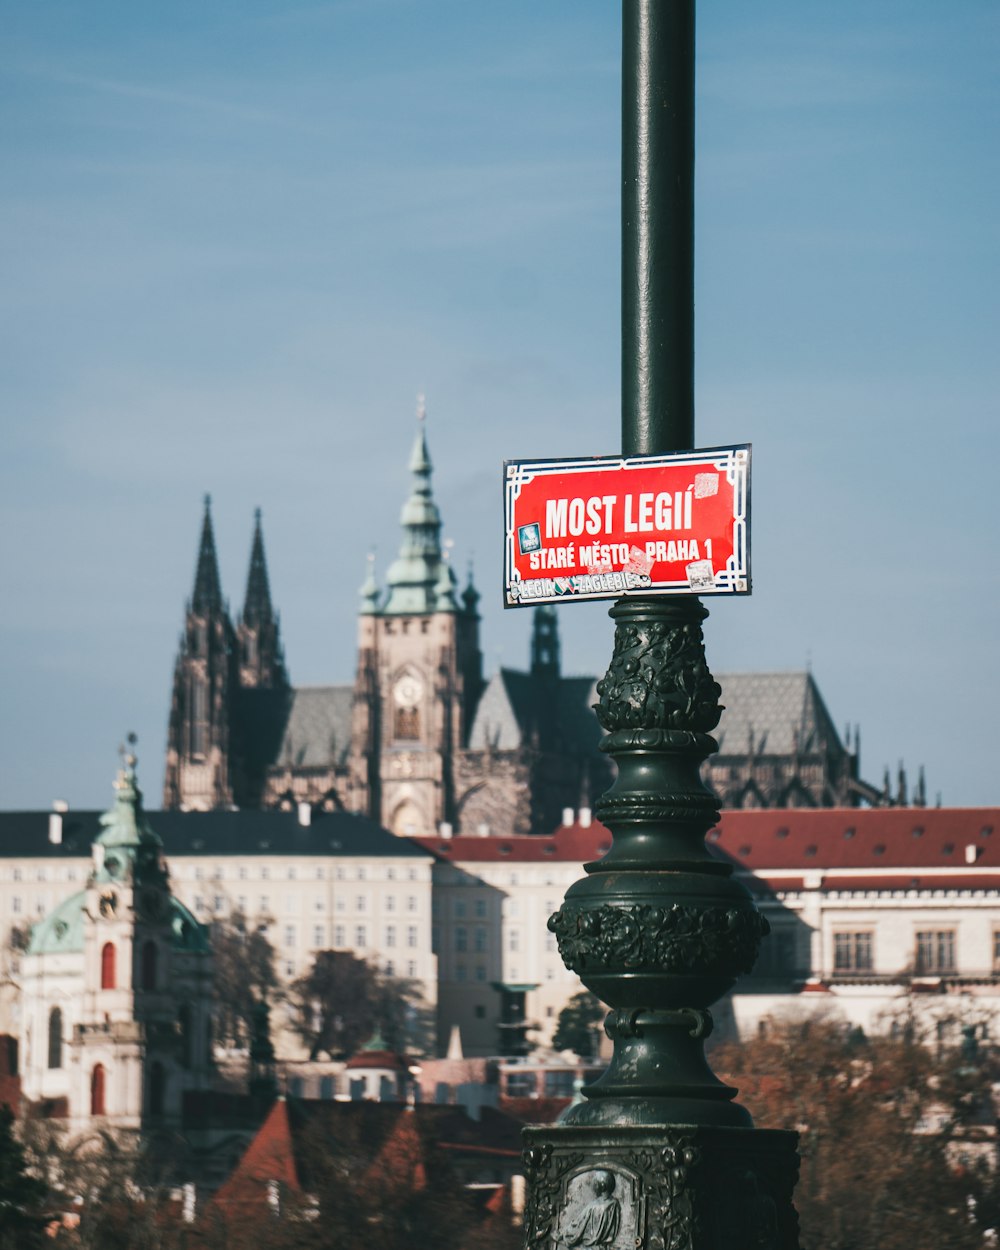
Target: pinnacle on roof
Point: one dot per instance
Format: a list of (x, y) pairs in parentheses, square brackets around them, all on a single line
[(257, 609), (414, 575), (207, 595), (470, 595), (369, 591)]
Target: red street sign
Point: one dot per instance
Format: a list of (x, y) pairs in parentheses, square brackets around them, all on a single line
[(604, 527)]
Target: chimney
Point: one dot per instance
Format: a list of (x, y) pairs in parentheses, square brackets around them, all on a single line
[(444, 829), (585, 817), (971, 853), (483, 830), (305, 815), (567, 816), (59, 808)]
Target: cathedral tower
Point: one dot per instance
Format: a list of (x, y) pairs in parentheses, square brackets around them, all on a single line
[(419, 673), (199, 758)]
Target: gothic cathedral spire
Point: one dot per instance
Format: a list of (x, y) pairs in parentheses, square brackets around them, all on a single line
[(198, 772), (262, 660), (207, 595)]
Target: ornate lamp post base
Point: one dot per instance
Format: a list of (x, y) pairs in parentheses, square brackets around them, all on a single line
[(660, 1187)]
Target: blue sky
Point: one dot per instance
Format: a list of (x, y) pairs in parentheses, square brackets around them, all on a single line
[(239, 238)]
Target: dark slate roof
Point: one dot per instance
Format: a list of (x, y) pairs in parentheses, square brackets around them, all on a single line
[(515, 703), (318, 729), (775, 707), (25, 835)]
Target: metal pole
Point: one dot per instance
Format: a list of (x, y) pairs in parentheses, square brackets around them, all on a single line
[(657, 226), (658, 1155)]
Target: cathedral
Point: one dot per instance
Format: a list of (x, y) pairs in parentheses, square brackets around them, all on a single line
[(421, 742)]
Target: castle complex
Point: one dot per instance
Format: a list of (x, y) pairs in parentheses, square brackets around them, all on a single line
[(421, 742)]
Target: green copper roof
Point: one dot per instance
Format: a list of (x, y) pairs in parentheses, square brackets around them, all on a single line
[(61, 932), (414, 575)]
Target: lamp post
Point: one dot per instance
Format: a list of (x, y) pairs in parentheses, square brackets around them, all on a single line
[(658, 1155)]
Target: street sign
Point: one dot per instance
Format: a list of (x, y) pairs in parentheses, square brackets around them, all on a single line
[(605, 527)]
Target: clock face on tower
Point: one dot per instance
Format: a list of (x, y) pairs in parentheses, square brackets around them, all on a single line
[(408, 690)]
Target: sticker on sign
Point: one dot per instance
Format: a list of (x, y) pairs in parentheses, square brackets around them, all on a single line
[(603, 527)]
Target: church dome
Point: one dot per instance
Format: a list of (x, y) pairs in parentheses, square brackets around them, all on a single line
[(61, 932)]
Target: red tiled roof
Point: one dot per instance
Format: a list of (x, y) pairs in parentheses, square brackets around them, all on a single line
[(799, 839)]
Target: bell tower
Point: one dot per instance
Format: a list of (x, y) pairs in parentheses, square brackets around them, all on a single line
[(419, 671)]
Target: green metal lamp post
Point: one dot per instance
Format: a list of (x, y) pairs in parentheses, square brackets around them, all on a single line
[(658, 1155)]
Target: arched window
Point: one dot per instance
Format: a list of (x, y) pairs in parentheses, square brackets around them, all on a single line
[(187, 1040), (55, 1038), (157, 1089), (97, 1084), (108, 966), (149, 961), (407, 724)]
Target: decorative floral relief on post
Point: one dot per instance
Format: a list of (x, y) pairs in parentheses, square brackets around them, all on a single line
[(658, 679), (665, 1176), (675, 938)]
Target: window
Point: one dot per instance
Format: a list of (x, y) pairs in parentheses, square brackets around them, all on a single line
[(320, 874), (289, 935), (461, 938), (936, 950), (362, 873), (390, 902), (460, 974), (390, 935), (265, 873), (411, 902), (199, 903), (407, 723), (460, 908), (361, 937), (318, 935), (263, 903), (514, 940), (15, 905), (362, 903), (97, 1084), (219, 903), (390, 874), (411, 935), (149, 965), (480, 1012), (480, 972), (411, 967), (852, 951), (55, 1038), (550, 942), (108, 976), (339, 936), (480, 906), (291, 872), (996, 950), (480, 938), (243, 872)]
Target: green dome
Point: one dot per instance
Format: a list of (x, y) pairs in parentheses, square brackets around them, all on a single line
[(61, 932)]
